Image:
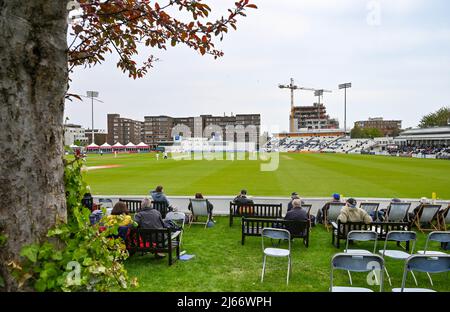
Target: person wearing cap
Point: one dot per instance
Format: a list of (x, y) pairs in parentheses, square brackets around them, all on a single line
[(351, 213), (336, 198), (294, 196)]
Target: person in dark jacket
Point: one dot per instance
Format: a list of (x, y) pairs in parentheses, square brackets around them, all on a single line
[(242, 200), (158, 196), (87, 200), (294, 195), (297, 213), (148, 217)]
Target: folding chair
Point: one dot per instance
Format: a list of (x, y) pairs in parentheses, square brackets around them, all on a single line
[(332, 213), (370, 208), (397, 212), (357, 263), (436, 236), (424, 263), (278, 234), (398, 236), (179, 218), (361, 236), (426, 215), (199, 209)]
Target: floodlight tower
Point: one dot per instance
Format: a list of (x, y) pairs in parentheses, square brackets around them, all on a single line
[(293, 87), (345, 86)]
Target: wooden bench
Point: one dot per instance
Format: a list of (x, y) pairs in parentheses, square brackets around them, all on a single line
[(135, 205), (254, 227), (340, 230), (255, 211), (162, 207), (154, 241)]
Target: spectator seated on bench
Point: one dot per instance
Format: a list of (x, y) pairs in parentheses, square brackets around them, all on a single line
[(297, 213), (158, 237), (157, 241), (341, 229), (242, 200), (159, 197), (254, 226), (119, 215), (351, 213)]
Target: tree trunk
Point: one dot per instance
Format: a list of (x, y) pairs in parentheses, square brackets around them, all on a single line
[(33, 83)]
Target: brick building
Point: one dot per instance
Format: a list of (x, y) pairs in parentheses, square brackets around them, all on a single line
[(387, 127)]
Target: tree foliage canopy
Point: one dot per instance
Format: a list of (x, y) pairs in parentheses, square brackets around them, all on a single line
[(365, 133), (440, 118), (104, 26)]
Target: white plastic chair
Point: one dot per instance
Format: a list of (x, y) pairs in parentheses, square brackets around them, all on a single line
[(179, 218), (278, 234), (424, 263), (398, 236), (356, 263)]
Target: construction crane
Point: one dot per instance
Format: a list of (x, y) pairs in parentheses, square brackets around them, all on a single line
[(293, 87)]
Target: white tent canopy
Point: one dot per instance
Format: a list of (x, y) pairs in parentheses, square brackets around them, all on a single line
[(118, 145), (142, 144), (130, 145), (74, 146), (92, 145), (105, 145)]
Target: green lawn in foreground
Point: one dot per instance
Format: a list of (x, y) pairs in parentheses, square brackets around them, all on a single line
[(222, 264), (309, 174)]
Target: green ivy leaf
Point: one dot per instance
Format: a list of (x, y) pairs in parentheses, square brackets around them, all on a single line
[(40, 285), (30, 252)]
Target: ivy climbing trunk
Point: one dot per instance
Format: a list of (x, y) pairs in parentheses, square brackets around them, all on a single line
[(33, 83)]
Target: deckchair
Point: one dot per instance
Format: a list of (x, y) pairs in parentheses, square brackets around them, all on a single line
[(425, 216)]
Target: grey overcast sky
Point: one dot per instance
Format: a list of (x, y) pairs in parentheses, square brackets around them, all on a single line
[(397, 57)]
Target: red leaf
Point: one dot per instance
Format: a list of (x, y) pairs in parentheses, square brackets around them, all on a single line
[(253, 6)]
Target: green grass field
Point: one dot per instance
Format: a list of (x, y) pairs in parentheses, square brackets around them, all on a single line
[(309, 174), (221, 263)]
